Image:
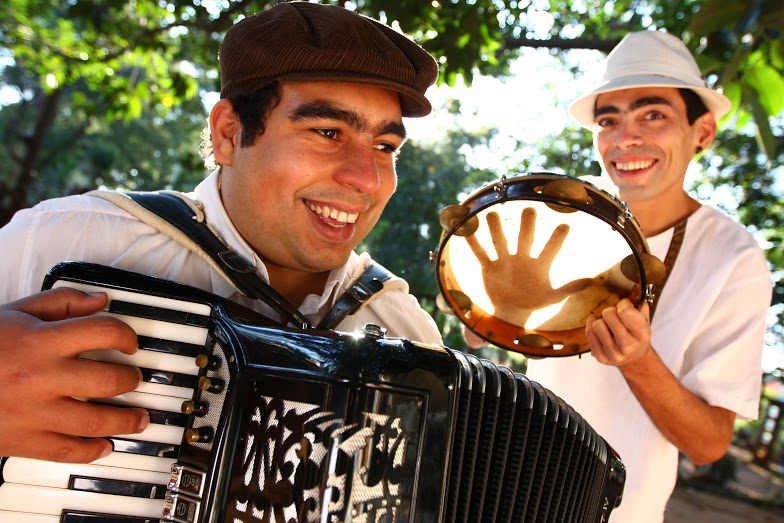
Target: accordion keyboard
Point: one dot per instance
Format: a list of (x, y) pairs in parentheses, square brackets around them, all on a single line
[(130, 484)]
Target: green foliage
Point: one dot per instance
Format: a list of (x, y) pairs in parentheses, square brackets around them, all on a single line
[(740, 44)]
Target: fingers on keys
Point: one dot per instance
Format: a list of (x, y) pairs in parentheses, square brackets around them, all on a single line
[(59, 304)]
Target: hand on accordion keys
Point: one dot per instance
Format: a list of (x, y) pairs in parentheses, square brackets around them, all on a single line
[(41, 337)]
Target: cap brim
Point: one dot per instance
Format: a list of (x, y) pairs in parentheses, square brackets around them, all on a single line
[(582, 109)]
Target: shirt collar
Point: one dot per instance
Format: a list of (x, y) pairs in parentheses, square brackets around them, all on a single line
[(208, 193)]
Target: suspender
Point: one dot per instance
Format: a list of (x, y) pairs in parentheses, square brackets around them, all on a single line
[(182, 219)]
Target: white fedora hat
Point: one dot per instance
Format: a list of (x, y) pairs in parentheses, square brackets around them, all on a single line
[(648, 59)]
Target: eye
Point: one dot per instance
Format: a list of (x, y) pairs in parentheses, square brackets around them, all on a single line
[(605, 122), (654, 115), (331, 134), (387, 148)]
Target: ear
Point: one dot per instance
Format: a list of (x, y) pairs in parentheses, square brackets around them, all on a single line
[(705, 127), (225, 129)]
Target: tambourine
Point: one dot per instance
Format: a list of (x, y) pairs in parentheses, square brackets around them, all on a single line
[(524, 261)]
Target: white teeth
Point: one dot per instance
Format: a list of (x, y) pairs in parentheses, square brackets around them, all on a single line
[(633, 166), (334, 214)]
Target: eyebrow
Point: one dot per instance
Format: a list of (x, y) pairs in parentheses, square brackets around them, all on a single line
[(327, 109), (641, 102)]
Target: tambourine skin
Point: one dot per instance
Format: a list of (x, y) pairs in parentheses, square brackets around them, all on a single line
[(523, 262)]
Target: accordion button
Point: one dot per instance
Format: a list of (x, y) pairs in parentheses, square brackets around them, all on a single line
[(214, 385), (200, 435), (205, 361), (195, 408)]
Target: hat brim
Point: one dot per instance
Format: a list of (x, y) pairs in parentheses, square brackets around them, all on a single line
[(582, 109)]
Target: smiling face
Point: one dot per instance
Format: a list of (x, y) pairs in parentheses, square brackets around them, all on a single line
[(646, 142), (315, 182)]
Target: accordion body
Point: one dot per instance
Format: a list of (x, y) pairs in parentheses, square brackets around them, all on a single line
[(289, 425)]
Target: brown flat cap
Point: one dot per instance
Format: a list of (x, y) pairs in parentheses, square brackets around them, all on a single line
[(300, 41)]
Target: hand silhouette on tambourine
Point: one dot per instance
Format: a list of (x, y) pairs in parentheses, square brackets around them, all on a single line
[(519, 284)]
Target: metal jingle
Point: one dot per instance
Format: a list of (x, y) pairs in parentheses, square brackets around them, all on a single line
[(460, 299), (534, 341), (452, 214), (654, 268), (566, 189)]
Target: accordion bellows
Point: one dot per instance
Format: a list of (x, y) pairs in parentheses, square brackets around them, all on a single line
[(286, 425)]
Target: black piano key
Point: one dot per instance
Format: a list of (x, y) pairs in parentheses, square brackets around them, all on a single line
[(145, 448), (162, 417), (159, 417), (117, 487), (158, 313), (175, 379), (72, 516), (170, 347)]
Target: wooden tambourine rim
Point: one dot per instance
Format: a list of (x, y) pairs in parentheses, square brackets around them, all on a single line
[(602, 205)]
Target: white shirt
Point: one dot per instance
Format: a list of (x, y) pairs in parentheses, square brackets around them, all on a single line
[(708, 329), (87, 228)]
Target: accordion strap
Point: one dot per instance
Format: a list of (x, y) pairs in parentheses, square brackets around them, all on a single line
[(182, 219), (369, 284)]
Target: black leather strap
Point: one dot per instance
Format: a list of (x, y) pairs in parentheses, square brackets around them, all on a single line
[(177, 212), (371, 282)]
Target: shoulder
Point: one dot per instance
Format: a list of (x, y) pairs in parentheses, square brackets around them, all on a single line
[(713, 234), (396, 309), (84, 208)]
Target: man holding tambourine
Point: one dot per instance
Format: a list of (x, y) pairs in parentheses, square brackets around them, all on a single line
[(673, 382)]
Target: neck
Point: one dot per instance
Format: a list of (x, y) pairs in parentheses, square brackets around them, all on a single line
[(656, 217), (295, 286)]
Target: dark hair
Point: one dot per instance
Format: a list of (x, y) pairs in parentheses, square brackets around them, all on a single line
[(695, 107), (252, 108)]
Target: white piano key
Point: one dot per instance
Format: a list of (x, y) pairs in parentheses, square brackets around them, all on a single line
[(165, 390), (144, 299), (158, 433), (163, 329), (57, 475), (21, 517), (146, 401), (148, 359), (48, 500), (125, 460)]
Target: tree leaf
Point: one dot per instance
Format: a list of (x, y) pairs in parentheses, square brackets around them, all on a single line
[(765, 138), (769, 85), (715, 14)]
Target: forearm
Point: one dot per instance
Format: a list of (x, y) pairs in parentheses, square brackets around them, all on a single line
[(700, 431)]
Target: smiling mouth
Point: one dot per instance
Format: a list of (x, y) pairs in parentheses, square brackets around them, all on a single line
[(634, 166), (332, 216)]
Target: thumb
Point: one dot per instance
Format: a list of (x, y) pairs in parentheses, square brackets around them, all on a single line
[(645, 309), (59, 304)]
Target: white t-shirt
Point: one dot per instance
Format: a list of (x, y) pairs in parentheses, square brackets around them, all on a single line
[(708, 329), (87, 228)]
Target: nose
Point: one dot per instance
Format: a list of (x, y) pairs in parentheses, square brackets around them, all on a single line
[(360, 169), (627, 134)]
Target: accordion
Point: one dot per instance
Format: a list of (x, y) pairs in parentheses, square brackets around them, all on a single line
[(252, 422)]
